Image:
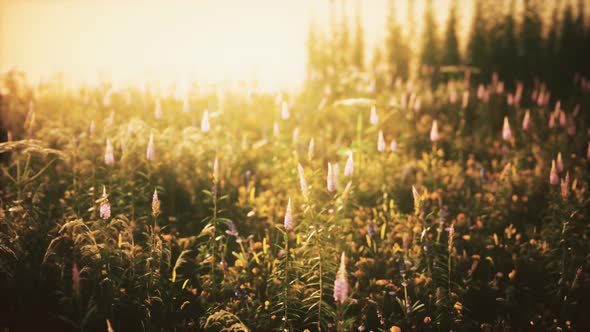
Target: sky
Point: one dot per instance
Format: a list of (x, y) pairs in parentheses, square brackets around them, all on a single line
[(203, 40)]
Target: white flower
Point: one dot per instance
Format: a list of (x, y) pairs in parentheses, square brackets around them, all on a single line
[(341, 282), (380, 142), (434, 136), (109, 158), (349, 168), (205, 126), (374, 118), (288, 223)]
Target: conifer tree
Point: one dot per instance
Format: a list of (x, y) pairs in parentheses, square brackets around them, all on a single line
[(531, 40), (397, 50), (477, 49), (358, 55), (429, 40), (451, 56)]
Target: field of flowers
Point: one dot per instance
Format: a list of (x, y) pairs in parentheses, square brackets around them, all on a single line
[(362, 205)]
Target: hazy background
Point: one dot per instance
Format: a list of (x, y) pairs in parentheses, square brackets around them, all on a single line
[(207, 40)]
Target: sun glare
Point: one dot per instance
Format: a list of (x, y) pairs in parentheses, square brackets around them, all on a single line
[(260, 41)]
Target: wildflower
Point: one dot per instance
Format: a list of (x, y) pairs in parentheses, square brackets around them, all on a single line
[(302, 182), (349, 168), (374, 118), (588, 152), (295, 137), (215, 171), (232, 229), (288, 217), (427, 320), (185, 105), (76, 278), (285, 114), (150, 152), (417, 105), (557, 108), (393, 145), (275, 129), (109, 158), (205, 126), (110, 120), (341, 282), (105, 206), (465, 101), (551, 123), (158, 110), (416, 196), (310, 149), (331, 181), (559, 163), (562, 119), (109, 326), (106, 99), (380, 142), (155, 204), (506, 132), (553, 177), (395, 329), (571, 127), (92, 128), (526, 122), (434, 131), (480, 91), (565, 185)]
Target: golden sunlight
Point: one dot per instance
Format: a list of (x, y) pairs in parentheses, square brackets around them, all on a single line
[(259, 41)]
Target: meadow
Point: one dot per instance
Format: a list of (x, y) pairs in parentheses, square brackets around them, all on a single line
[(417, 207), (436, 190)]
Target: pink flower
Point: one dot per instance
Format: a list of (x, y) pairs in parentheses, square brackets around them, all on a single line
[(92, 128), (341, 282), (155, 204), (374, 118), (562, 119), (559, 163), (526, 122), (417, 105), (349, 168), (275, 129), (434, 136), (158, 109), (393, 145), (380, 142), (565, 185), (302, 182), (105, 206), (310, 149), (506, 132), (205, 126), (331, 180), (150, 153), (465, 101), (109, 158), (553, 176), (285, 113), (288, 223), (480, 91), (215, 171), (551, 123), (295, 137)]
